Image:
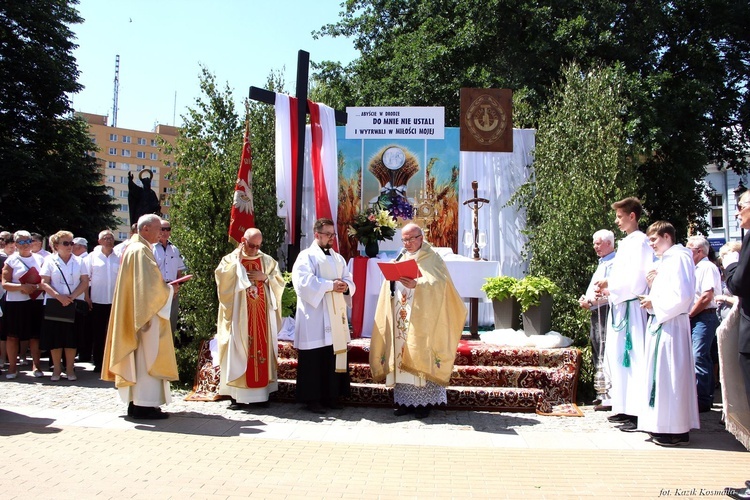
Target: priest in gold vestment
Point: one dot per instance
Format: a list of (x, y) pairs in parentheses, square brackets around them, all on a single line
[(249, 285), (139, 353), (417, 329)]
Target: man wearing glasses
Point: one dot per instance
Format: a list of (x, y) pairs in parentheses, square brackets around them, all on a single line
[(171, 265), (249, 285), (324, 289), (417, 329)]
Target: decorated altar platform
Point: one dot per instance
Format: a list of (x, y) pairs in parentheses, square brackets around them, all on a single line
[(485, 377)]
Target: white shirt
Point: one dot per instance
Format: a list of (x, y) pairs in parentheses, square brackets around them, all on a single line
[(103, 271), (169, 261), (73, 270), (602, 272), (707, 277), (16, 262)]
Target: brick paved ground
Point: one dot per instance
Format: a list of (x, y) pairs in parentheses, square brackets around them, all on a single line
[(71, 440)]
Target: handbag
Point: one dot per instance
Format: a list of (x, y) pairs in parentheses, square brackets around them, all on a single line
[(55, 311)]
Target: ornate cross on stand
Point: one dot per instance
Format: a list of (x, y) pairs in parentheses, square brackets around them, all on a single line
[(478, 203), (474, 301)]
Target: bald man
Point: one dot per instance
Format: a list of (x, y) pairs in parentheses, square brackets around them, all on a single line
[(249, 285)]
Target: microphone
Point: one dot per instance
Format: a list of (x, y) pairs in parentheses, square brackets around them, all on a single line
[(393, 283)]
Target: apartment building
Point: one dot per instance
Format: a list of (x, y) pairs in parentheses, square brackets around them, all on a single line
[(124, 150)]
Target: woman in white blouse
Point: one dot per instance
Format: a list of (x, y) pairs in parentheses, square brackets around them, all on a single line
[(23, 309), (64, 278)]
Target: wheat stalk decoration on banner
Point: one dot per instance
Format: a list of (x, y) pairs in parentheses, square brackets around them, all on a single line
[(243, 212)]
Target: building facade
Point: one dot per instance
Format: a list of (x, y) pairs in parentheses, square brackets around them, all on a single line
[(725, 188), (124, 150)]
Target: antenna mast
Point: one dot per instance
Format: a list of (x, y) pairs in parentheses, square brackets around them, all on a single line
[(117, 90)]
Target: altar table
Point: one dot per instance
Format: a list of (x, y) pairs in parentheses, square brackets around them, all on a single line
[(468, 276)]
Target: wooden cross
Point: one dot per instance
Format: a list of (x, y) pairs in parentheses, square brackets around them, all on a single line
[(268, 97), (478, 203)]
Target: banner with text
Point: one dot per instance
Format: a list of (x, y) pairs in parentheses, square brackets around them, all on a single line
[(417, 122)]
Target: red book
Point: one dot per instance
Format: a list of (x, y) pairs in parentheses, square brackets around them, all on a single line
[(395, 270), (31, 277)]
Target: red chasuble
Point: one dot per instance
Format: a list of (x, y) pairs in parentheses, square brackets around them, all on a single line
[(257, 330)]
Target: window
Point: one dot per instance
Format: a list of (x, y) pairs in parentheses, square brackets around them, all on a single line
[(125, 152), (122, 236), (93, 138), (154, 143), (166, 203), (717, 210), (126, 139), (154, 156), (123, 193), (111, 164), (141, 141), (124, 208), (123, 180), (113, 151), (141, 154), (111, 191), (125, 166), (113, 137), (111, 178)]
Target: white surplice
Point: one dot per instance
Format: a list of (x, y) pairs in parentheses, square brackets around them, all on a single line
[(670, 370), (627, 280)]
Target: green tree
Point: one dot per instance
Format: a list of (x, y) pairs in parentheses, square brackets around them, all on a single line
[(582, 163), (207, 155), (50, 177), (691, 58)]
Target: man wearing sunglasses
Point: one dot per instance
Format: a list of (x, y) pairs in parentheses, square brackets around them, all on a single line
[(249, 285), (324, 288), (172, 266)]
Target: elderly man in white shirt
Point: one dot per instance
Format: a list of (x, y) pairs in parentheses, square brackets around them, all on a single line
[(103, 265), (171, 264)]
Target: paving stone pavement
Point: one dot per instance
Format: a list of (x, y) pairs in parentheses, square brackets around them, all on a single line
[(71, 440)]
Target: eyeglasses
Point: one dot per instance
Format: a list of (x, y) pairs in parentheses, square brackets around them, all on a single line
[(107, 237), (409, 240), (166, 229), (24, 242), (330, 235), (251, 246), (742, 206), (67, 243)]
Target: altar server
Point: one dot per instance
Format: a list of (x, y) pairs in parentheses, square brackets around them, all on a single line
[(324, 288), (672, 405), (417, 329), (249, 285), (626, 325)]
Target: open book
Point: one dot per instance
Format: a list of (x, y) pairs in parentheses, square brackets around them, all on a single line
[(395, 270)]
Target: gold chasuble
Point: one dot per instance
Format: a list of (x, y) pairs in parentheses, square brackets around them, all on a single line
[(434, 326), (247, 324), (140, 293)]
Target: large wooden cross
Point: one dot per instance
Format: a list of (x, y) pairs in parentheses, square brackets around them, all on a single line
[(268, 97)]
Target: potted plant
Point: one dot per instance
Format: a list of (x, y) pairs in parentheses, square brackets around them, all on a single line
[(371, 226), (534, 294), (506, 308)]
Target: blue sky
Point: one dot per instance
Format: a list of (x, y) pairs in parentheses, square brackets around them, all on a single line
[(163, 43)]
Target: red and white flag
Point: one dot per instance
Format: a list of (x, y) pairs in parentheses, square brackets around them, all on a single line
[(243, 211)]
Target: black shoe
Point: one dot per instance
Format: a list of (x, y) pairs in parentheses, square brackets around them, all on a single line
[(704, 408), (402, 410), (315, 408), (131, 409), (620, 417), (628, 426), (146, 412), (334, 404), (422, 412), (672, 439)]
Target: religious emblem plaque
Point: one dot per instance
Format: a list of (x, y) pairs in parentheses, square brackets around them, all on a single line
[(486, 120)]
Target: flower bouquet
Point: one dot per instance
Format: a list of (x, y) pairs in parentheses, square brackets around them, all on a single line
[(371, 226)]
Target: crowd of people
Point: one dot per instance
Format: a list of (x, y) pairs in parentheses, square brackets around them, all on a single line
[(58, 303), (656, 306)]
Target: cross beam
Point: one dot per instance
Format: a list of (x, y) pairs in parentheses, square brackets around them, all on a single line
[(268, 97)]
